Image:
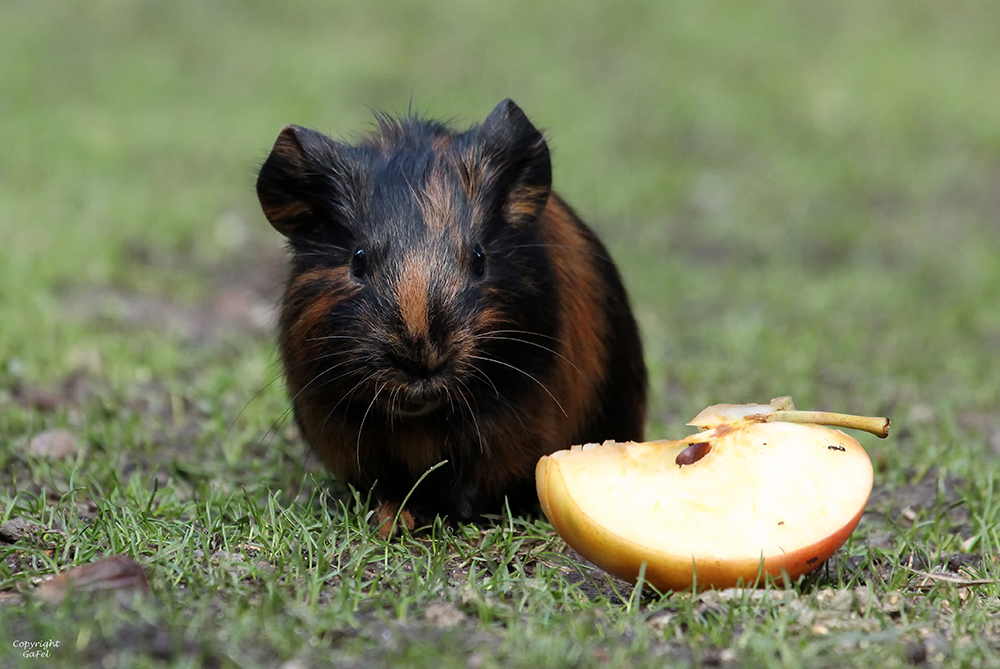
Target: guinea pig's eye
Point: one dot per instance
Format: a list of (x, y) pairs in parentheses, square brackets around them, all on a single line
[(478, 261), (359, 263)]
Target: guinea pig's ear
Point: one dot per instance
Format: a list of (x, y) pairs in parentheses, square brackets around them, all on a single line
[(517, 158), (300, 180)]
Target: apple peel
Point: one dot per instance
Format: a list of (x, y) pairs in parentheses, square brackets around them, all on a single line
[(763, 491)]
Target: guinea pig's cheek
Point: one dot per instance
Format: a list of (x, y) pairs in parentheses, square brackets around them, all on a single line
[(488, 319), (320, 293), (456, 354)]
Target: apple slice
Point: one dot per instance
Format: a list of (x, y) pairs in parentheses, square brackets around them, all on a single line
[(763, 490)]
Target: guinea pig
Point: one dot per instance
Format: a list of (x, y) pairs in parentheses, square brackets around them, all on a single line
[(444, 305)]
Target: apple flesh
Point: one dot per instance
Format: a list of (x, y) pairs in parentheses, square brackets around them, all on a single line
[(752, 496)]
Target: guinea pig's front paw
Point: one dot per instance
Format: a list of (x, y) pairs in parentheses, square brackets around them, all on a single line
[(389, 516)]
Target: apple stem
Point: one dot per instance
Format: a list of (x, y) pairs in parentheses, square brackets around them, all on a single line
[(878, 426)]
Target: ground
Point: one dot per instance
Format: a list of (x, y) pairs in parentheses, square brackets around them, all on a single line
[(802, 201)]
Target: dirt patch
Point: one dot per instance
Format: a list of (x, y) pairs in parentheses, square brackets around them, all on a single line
[(934, 492), (894, 510), (240, 296), (76, 389)]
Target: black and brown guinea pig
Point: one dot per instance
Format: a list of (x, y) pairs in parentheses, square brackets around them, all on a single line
[(444, 304)]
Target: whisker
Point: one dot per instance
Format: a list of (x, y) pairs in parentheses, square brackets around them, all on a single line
[(451, 400), (554, 352), (324, 373), (343, 423), (361, 427), (323, 356), (272, 431), (246, 406), (329, 337), (478, 373), (525, 332), (518, 369), (345, 396), (394, 405), (472, 415), (514, 410), (533, 334)]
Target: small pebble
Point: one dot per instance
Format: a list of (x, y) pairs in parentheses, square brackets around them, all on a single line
[(444, 614), (17, 529), (55, 444), (119, 573)]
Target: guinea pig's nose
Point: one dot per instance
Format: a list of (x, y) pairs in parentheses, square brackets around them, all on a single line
[(419, 362)]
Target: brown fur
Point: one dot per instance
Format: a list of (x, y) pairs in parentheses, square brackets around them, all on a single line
[(436, 201), (584, 325), (412, 296), (286, 211)]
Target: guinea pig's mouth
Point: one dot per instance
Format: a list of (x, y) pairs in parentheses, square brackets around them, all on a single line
[(413, 402)]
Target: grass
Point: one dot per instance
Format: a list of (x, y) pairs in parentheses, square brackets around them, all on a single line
[(802, 200)]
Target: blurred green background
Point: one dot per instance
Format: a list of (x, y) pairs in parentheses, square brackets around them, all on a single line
[(802, 197)]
